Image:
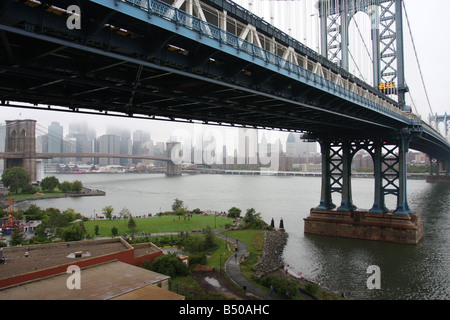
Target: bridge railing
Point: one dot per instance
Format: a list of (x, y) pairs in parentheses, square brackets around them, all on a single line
[(326, 80)]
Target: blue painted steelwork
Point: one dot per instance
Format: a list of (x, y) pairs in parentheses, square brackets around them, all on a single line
[(392, 129), (175, 20)]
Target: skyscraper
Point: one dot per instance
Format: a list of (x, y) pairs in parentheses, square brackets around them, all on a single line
[(55, 139), (109, 143)]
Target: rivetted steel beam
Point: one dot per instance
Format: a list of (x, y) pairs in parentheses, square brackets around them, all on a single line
[(180, 72)]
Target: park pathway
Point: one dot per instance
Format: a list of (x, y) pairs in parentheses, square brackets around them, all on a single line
[(233, 270)]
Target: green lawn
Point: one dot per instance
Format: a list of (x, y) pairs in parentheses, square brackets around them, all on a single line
[(43, 194), (253, 238), (21, 196), (156, 224)]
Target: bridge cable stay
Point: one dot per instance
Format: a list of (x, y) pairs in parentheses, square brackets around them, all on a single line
[(417, 58)]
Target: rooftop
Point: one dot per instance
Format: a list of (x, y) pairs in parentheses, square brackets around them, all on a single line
[(110, 280), (24, 259)]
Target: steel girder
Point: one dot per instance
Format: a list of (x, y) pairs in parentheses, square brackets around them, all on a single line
[(387, 38), (155, 72), (121, 64), (389, 158)]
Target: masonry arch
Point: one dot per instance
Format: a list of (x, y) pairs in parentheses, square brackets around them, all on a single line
[(21, 140), (12, 141)]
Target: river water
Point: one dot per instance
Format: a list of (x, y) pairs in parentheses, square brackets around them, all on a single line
[(420, 272)]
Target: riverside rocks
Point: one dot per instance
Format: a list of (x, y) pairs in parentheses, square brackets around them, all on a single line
[(274, 242)]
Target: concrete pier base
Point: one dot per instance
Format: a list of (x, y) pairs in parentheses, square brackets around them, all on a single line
[(365, 225), (438, 179)]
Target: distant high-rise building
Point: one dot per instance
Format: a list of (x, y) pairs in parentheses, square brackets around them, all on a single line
[(291, 150), (55, 139), (109, 143), (140, 137), (85, 139), (42, 146), (126, 147), (69, 146)]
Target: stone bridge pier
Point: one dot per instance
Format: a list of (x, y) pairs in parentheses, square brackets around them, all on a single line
[(400, 225), (172, 169), (21, 140)]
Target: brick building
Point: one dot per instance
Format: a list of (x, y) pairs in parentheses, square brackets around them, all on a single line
[(108, 268)]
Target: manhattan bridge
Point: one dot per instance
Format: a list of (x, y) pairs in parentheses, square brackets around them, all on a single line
[(336, 74)]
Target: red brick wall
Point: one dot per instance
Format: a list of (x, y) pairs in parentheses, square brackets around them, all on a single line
[(126, 256)]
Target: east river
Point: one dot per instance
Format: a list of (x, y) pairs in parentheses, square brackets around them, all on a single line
[(420, 272)]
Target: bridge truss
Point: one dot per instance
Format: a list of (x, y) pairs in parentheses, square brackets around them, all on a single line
[(215, 62)]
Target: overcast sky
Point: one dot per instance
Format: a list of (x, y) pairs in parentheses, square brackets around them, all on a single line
[(431, 31)]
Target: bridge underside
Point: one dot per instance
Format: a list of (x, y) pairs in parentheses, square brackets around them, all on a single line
[(154, 68), (142, 69)]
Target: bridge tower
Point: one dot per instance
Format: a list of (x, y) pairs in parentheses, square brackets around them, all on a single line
[(388, 152), (439, 164), (21, 142), (387, 39), (172, 168), (436, 119)]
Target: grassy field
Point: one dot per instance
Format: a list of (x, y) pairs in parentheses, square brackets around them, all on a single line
[(156, 224), (21, 196)]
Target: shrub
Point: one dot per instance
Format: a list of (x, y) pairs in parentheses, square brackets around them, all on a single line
[(114, 231), (253, 220), (282, 286), (49, 183), (73, 233), (77, 186), (197, 258), (65, 186), (29, 189), (168, 264), (234, 212), (194, 244), (312, 288)]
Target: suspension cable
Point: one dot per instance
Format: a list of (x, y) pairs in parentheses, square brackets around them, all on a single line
[(417, 58)]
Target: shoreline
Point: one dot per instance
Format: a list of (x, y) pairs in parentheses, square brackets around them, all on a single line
[(88, 193), (363, 175)]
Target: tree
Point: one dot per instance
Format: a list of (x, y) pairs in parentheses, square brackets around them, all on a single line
[(168, 264), (253, 220), (125, 213), (96, 230), (107, 212), (15, 178), (77, 186), (177, 205), (114, 231), (132, 225), (49, 183), (209, 238), (234, 212), (34, 213), (17, 237), (73, 233), (65, 186), (56, 221), (29, 189)]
